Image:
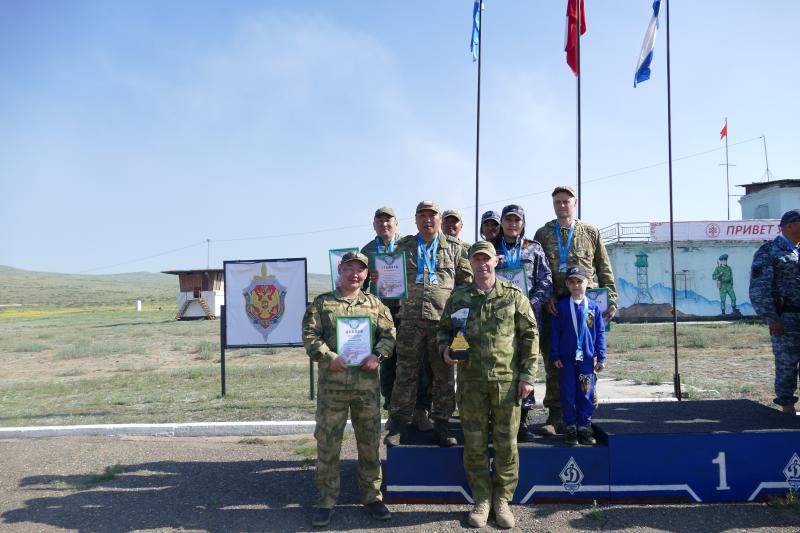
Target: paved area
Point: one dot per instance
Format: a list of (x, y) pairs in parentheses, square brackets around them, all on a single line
[(224, 484)]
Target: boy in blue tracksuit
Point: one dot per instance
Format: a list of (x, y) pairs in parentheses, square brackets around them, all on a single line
[(578, 338)]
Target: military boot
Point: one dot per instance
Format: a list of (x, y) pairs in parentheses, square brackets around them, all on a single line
[(441, 434), (789, 409), (551, 426), (524, 433), (396, 431), (502, 514), (571, 436), (479, 514), (420, 420)]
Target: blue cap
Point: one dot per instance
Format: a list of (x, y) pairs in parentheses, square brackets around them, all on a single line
[(490, 215), (790, 216), (514, 209)]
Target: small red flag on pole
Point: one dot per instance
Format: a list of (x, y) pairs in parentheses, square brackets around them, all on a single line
[(571, 46), (724, 131)]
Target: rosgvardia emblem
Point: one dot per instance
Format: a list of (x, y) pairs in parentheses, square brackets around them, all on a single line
[(264, 302)]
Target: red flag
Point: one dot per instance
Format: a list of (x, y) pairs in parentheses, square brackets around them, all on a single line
[(724, 131), (571, 46)]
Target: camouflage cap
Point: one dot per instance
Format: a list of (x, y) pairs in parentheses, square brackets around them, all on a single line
[(452, 213), (565, 188), (355, 256), (384, 211), (482, 247), (577, 271), (790, 216), (490, 215), (723, 257), (428, 205)]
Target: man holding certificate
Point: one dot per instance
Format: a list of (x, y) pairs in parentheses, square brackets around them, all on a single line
[(492, 321), (435, 264), (348, 332), (523, 263), (569, 241)]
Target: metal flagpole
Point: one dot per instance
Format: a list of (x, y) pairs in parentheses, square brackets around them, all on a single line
[(727, 173), (478, 123), (676, 378), (578, 81)]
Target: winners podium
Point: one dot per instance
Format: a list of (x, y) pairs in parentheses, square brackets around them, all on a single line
[(691, 451)]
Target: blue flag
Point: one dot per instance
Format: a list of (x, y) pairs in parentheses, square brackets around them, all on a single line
[(646, 55), (474, 44)]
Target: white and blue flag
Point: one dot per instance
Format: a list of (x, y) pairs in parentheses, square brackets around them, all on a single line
[(474, 44), (646, 55)]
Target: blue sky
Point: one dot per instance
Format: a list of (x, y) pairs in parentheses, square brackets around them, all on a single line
[(131, 132)]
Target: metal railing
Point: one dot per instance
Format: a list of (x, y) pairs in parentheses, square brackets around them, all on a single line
[(626, 232)]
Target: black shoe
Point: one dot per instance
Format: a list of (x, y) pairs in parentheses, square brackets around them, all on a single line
[(585, 436), (524, 434), (571, 436), (441, 434), (322, 517), (396, 432), (378, 510)]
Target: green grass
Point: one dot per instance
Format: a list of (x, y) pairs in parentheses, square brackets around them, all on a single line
[(29, 346)]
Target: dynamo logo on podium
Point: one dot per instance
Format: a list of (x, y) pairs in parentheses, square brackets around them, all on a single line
[(571, 476), (792, 472)]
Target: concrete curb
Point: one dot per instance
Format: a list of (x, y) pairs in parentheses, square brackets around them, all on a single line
[(202, 429)]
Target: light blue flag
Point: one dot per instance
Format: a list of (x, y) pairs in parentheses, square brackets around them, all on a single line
[(474, 45), (646, 55)]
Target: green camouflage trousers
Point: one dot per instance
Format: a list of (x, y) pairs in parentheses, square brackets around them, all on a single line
[(416, 340), (552, 397), (478, 401), (726, 289), (331, 418)]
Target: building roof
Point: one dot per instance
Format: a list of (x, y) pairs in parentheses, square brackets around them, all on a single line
[(761, 185), (191, 271)]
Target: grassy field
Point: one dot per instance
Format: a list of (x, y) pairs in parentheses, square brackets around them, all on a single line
[(75, 352)]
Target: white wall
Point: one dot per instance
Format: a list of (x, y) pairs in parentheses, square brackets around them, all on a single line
[(777, 199), (214, 299)]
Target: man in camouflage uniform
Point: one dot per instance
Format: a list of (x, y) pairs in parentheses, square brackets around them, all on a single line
[(435, 264), (344, 388), (385, 224), (568, 241), (723, 275), (499, 372), (775, 295), (452, 224)]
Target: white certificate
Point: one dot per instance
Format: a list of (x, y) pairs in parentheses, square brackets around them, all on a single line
[(517, 276), (392, 281), (354, 338), (335, 257)]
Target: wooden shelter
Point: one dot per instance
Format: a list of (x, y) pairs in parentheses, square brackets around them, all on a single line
[(202, 292)]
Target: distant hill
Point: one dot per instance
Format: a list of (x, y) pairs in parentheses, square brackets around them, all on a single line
[(50, 289)]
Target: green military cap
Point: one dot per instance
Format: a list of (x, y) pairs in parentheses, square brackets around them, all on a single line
[(384, 211), (452, 213), (482, 247), (428, 205), (565, 188), (355, 256), (723, 257)]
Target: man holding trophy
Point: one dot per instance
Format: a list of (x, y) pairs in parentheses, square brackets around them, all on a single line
[(489, 330)]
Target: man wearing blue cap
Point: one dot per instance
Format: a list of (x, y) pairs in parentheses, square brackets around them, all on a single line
[(775, 295), (490, 225)]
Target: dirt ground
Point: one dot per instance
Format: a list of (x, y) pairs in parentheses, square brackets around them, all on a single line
[(229, 484)]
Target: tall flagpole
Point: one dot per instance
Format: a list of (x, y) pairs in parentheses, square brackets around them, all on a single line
[(478, 122), (727, 175), (578, 81), (676, 378)]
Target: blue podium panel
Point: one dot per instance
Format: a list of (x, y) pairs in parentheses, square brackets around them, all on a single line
[(547, 473), (703, 468), (426, 474), (562, 474)]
